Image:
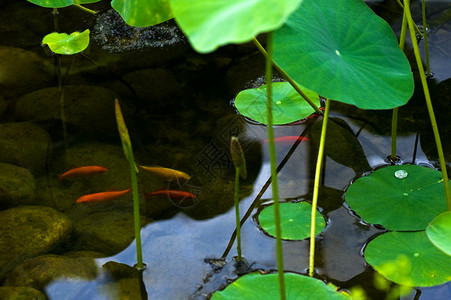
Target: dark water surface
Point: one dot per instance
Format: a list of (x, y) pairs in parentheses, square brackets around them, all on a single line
[(177, 107)]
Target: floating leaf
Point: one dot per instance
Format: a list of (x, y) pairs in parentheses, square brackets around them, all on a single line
[(343, 51), (213, 23), (287, 105), (258, 286), (439, 232), (142, 13), (428, 265), (403, 197), (295, 220), (62, 43), (60, 3)]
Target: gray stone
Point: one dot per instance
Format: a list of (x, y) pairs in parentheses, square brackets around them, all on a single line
[(38, 271), (24, 144), (89, 109), (28, 231), (17, 186)]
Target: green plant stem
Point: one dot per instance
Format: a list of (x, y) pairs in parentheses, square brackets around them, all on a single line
[(316, 189), (237, 212), (272, 156), (136, 213), (425, 36), (427, 96), (287, 77), (85, 9)]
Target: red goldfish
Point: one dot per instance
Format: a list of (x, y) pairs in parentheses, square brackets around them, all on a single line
[(103, 196), (166, 173), (172, 194), (288, 139), (82, 171)]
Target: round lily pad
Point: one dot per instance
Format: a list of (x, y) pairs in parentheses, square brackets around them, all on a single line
[(439, 232), (408, 258), (62, 43), (143, 13), (405, 197), (258, 286), (343, 51), (210, 24), (60, 3), (295, 220), (287, 105)]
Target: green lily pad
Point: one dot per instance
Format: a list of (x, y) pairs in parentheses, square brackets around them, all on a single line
[(439, 232), (213, 23), (62, 43), (408, 258), (295, 220), (258, 286), (287, 105), (400, 198), (142, 13), (60, 3), (343, 51)]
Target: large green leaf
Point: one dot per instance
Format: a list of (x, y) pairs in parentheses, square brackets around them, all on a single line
[(403, 197), (408, 258), (62, 43), (213, 23), (295, 220), (439, 232), (60, 3), (261, 287), (343, 51), (287, 105), (142, 13)]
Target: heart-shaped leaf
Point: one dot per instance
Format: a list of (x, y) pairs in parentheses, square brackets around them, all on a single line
[(258, 286), (287, 105), (142, 13), (408, 258), (62, 43), (405, 197), (439, 232), (295, 220), (343, 51), (213, 23)]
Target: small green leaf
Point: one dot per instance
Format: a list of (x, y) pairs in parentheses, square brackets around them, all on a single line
[(414, 259), (62, 43), (403, 197), (343, 51), (439, 232), (287, 105), (258, 286), (143, 13), (295, 220), (52, 3), (213, 23)]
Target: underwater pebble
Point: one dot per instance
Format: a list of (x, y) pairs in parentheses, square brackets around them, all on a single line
[(17, 186), (21, 292)]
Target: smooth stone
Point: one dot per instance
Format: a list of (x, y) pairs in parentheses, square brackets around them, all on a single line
[(3, 106), (17, 186), (23, 70), (28, 231), (89, 109), (21, 293), (24, 144), (39, 271)]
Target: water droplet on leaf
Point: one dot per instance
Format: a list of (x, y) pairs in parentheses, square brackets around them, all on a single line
[(401, 174)]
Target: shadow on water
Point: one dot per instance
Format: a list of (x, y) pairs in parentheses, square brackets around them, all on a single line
[(177, 108)]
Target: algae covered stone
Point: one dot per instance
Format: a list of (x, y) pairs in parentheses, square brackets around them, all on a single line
[(17, 186)]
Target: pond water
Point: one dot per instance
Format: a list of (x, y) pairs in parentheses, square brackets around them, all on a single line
[(179, 111)]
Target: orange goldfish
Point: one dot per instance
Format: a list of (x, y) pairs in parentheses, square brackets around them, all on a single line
[(103, 196), (82, 171), (166, 173), (288, 139), (173, 194)]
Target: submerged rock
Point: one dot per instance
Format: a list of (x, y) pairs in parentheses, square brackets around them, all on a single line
[(28, 231), (20, 293), (37, 272), (17, 186), (89, 109), (24, 144)]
